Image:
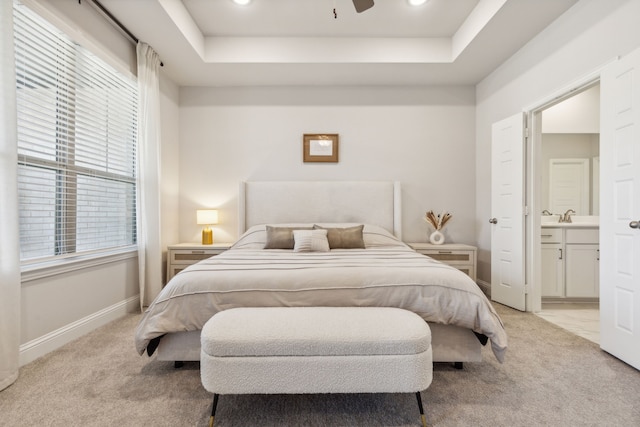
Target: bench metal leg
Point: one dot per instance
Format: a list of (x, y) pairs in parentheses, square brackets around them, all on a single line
[(215, 404), (422, 417), (213, 410)]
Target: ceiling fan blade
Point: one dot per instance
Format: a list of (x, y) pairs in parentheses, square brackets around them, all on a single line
[(362, 5)]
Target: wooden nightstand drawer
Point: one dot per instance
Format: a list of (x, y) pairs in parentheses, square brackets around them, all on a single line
[(463, 257), (469, 271), (182, 255), (172, 270), (450, 257)]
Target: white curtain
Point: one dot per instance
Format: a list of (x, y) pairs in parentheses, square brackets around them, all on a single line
[(148, 203), (9, 243)]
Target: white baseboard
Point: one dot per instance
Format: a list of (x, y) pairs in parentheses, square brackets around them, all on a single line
[(40, 346)]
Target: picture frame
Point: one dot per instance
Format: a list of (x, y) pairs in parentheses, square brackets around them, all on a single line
[(320, 147)]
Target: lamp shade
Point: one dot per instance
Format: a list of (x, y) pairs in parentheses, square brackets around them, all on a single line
[(207, 216)]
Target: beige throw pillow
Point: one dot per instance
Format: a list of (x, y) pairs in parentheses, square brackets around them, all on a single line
[(281, 237), (344, 238)]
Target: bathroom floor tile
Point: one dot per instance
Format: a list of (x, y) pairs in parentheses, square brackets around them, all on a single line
[(582, 319)]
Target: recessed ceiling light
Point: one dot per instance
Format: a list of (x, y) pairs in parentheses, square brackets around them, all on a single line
[(241, 2), (417, 2)]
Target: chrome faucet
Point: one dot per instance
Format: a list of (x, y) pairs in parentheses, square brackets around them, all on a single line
[(566, 217), (547, 213)]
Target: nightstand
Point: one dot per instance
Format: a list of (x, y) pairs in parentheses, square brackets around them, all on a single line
[(182, 255), (458, 255)]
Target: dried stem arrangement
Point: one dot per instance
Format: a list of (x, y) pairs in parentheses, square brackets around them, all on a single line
[(437, 221)]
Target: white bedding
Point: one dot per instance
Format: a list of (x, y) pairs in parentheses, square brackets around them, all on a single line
[(387, 273)]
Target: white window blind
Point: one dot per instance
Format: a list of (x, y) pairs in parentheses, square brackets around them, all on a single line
[(76, 145)]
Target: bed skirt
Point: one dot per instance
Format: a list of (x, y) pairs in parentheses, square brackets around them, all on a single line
[(449, 343)]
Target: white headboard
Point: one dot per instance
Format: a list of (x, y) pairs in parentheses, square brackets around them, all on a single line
[(273, 202)]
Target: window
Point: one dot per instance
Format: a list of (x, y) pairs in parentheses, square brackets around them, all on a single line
[(76, 145)]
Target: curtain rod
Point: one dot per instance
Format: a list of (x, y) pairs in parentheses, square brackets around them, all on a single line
[(114, 21)]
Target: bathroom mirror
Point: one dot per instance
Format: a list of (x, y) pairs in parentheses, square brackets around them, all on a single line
[(570, 155)]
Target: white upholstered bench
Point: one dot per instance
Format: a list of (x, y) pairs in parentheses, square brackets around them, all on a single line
[(273, 350)]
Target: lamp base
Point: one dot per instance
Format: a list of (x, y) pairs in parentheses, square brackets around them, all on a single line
[(207, 236)]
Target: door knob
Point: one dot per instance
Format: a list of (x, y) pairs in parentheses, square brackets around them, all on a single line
[(634, 224), (493, 221)]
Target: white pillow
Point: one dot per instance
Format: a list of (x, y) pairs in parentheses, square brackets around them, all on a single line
[(310, 241)]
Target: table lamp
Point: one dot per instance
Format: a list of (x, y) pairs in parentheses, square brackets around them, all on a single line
[(207, 217)]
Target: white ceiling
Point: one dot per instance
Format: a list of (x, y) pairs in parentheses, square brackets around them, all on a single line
[(300, 42)]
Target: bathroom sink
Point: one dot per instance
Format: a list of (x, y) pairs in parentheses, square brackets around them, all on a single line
[(576, 221), (550, 219)]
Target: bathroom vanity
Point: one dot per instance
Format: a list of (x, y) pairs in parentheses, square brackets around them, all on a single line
[(570, 258)]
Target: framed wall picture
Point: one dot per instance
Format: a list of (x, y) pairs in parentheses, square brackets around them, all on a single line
[(320, 147)]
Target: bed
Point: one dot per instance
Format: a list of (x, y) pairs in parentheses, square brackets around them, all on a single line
[(378, 270)]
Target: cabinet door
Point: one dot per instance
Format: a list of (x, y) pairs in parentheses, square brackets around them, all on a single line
[(583, 271), (552, 270)]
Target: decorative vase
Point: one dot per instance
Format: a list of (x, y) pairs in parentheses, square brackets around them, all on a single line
[(437, 238)]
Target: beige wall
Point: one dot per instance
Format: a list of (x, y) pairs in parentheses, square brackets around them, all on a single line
[(422, 137)]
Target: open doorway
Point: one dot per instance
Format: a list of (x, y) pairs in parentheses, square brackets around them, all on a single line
[(565, 168)]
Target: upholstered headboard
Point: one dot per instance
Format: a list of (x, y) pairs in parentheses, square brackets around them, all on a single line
[(273, 202)]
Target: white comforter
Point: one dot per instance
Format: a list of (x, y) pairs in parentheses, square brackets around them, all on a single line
[(386, 274)]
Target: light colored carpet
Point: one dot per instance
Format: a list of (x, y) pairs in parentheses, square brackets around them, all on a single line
[(550, 378)]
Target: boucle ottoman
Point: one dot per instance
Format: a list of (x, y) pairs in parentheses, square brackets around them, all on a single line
[(271, 350)]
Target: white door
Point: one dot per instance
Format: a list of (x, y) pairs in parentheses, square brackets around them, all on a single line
[(507, 212), (620, 210)]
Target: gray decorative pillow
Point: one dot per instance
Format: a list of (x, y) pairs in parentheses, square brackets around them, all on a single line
[(344, 238), (281, 237), (310, 241)]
